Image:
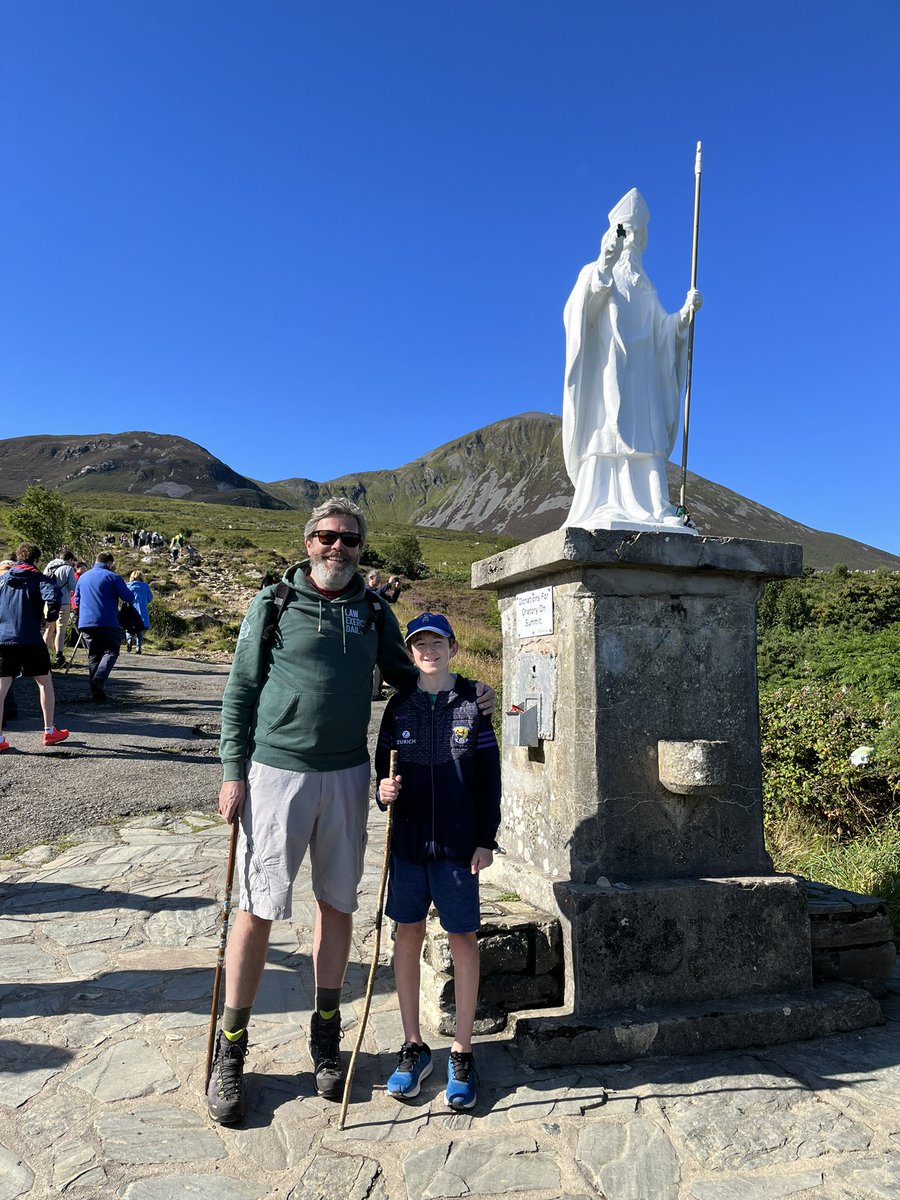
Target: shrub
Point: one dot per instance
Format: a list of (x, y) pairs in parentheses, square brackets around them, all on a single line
[(403, 556), (807, 737), (166, 624)]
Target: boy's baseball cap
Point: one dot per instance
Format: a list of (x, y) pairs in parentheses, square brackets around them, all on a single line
[(427, 622)]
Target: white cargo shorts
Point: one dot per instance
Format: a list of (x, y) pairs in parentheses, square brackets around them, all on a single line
[(284, 813)]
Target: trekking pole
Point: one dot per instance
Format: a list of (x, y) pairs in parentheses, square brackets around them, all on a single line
[(74, 652), (370, 986), (220, 961)]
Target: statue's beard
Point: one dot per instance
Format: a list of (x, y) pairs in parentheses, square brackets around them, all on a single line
[(628, 270)]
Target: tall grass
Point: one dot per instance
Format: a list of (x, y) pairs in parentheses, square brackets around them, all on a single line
[(868, 863)]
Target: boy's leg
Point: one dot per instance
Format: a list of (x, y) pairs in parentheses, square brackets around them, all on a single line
[(407, 958), (464, 949)]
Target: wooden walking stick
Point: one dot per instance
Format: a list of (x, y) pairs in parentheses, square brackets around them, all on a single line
[(690, 345), (379, 913), (220, 961)]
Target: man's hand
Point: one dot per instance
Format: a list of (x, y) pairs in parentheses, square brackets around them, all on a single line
[(231, 800), (481, 858), (485, 697), (389, 789), (693, 302)]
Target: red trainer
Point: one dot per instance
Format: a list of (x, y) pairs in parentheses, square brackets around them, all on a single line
[(54, 738), (4, 744)]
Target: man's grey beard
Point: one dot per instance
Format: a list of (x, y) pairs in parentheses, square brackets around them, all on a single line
[(332, 574)]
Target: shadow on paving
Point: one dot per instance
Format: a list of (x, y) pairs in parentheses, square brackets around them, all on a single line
[(36, 897)]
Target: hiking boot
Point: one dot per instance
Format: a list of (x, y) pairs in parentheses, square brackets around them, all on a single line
[(413, 1065), (325, 1052), (98, 695), (4, 744), (225, 1093), (461, 1080), (55, 736), (60, 661)]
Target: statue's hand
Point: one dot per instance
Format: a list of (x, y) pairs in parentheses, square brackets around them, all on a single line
[(693, 302), (608, 254)]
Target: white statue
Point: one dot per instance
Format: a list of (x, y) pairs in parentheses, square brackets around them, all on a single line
[(625, 368)]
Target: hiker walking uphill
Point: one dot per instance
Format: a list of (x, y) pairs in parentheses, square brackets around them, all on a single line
[(24, 592), (62, 571), (97, 595), (295, 716)]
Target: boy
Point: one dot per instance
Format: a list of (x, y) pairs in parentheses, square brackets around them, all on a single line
[(448, 809)]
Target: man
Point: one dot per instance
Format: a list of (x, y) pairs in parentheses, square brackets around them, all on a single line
[(62, 571), (625, 370), (296, 773), (24, 592), (97, 595)]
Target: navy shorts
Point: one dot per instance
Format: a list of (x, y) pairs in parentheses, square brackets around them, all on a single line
[(450, 886)]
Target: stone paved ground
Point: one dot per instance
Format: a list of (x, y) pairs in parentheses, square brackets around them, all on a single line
[(106, 954)]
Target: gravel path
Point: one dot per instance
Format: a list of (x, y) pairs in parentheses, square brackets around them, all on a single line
[(153, 748)]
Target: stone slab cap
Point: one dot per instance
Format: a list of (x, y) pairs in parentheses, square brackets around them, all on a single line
[(564, 549)]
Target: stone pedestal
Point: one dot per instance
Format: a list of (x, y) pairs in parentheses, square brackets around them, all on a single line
[(632, 801)]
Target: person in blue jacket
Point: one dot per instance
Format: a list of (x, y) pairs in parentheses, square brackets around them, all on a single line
[(97, 595), (143, 594), (28, 600)]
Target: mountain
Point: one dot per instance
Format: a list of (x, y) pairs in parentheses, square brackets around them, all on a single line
[(510, 478), (507, 478), (148, 464)]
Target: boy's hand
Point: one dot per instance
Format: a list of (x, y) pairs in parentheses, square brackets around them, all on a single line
[(485, 697), (389, 789), (481, 858)]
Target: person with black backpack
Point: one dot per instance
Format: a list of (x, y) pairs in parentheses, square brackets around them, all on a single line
[(27, 598), (295, 717)]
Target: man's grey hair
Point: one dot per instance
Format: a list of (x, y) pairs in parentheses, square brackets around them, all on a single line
[(337, 506)]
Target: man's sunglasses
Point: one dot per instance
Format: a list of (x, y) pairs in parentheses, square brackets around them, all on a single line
[(328, 537)]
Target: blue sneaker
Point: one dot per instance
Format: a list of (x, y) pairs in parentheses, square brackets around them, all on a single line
[(413, 1065), (461, 1080)]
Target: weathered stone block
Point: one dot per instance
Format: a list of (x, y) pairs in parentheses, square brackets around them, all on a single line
[(504, 953), (518, 992), (684, 940), (694, 1028)]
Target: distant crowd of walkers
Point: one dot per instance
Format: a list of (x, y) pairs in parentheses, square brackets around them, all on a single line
[(35, 610)]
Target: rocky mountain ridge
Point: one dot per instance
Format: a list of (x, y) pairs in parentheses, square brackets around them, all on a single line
[(506, 478)]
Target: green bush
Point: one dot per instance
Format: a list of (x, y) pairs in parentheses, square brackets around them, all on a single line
[(165, 624), (808, 735), (403, 556)]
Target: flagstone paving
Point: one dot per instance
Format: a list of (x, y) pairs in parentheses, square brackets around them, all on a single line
[(106, 960)]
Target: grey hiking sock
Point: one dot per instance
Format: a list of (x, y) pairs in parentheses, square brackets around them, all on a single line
[(235, 1019)]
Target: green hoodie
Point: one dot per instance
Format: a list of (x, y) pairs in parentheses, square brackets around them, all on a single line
[(305, 704)]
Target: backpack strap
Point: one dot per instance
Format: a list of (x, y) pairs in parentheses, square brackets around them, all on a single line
[(279, 602)]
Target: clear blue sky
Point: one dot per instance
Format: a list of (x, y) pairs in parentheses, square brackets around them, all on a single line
[(321, 238)]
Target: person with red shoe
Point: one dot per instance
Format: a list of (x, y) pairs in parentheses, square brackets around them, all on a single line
[(24, 592)]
